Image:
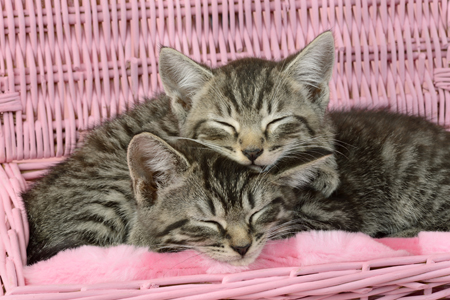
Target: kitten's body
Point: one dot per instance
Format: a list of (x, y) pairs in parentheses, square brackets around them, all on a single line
[(93, 185), (98, 173), (394, 182), (395, 179), (394, 169)]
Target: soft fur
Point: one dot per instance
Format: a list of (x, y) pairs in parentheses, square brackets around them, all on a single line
[(257, 111), (88, 199), (394, 182), (135, 181), (88, 264)]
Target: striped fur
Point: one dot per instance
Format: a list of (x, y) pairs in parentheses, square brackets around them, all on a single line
[(98, 169), (191, 188), (178, 194), (92, 187), (257, 111)]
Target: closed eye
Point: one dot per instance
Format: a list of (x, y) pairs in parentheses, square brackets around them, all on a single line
[(288, 125), (212, 224), (227, 125), (256, 215), (275, 121)]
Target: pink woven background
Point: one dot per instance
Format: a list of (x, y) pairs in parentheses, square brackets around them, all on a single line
[(68, 65)]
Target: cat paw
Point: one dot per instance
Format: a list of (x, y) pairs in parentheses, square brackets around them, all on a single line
[(326, 183)]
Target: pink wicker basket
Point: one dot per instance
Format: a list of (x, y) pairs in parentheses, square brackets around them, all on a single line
[(68, 65)]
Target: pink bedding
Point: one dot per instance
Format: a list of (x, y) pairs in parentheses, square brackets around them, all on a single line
[(88, 264)]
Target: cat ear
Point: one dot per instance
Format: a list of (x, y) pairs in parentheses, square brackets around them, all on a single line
[(153, 164), (313, 66), (182, 78), (299, 169)]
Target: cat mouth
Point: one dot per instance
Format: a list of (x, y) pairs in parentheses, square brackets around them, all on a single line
[(256, 167), (248, 259)]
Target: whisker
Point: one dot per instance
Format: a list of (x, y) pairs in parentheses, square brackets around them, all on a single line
[(208, 145), (191, 257)]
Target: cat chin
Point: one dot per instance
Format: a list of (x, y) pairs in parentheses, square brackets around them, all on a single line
[(257, 168), (244, 261)]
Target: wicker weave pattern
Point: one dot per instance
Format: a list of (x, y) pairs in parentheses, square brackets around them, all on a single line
[(66, 66)]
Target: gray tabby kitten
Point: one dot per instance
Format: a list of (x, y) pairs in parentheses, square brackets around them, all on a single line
[(168, 198), (256, 111), (394, 173), (284, 110)]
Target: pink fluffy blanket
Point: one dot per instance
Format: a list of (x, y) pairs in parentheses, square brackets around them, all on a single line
[(88, 264)]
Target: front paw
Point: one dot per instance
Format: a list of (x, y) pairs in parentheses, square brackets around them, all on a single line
[(326, 183)]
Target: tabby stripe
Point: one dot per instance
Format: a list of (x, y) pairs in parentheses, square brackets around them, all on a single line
[(277, 200), (172, 226), (196, 235), (280, 106), (265, 90), (211, 206), (91, 238), (182, 242), (228, 93), (219, 108), (175, 242), (251, 200), (229, 111), (305, 122), (112, 225), (167, 129), (115, 207), (197, 126), (206, 180), (269, 107)]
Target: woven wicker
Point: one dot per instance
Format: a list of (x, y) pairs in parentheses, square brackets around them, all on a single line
[(68, 65)]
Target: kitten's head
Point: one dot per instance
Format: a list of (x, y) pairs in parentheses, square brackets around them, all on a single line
[(190, 197), (254, 111)]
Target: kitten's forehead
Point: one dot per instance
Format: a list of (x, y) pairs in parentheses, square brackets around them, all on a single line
[(227, 185), (246, 86)]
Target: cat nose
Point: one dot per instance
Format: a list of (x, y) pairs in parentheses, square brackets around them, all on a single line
[(241, 249), (253, 153)]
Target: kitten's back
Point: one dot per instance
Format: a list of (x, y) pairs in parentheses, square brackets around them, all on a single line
[(91, 189), (396, 166)]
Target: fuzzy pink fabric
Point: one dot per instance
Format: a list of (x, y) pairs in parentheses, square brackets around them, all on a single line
[(87, 265)]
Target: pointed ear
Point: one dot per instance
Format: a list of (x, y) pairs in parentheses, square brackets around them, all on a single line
[(182, 78), (153, 164), (295, 171), (313, 66)]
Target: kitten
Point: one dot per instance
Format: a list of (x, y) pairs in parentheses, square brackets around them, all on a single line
[(97, 169), (394, 170), (257, 111), (168, 198)]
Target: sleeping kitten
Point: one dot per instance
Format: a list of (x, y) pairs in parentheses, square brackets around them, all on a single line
[(167, 198), (257, 111), (395, 181), (94, 172)]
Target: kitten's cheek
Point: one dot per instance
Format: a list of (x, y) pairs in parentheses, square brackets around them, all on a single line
[(266, 159), (240, 158)]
